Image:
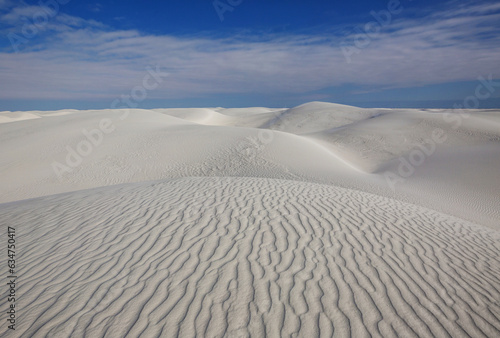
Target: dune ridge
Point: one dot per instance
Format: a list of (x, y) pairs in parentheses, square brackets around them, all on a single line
[(317, 142)]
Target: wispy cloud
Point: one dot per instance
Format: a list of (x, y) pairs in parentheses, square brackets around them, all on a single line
[(5, 4), (97, 7), (76, 58)]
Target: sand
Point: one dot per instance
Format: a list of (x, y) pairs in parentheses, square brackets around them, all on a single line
[(253, 222)]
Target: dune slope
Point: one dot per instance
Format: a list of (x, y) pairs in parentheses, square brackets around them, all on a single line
[(213, 256)]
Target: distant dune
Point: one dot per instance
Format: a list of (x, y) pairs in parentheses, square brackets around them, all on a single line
[(319, 220), (315, 142)]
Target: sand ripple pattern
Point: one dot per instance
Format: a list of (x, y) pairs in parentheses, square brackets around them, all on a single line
[(238, 257)]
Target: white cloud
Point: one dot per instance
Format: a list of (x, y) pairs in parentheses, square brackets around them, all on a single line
[(84, 59), (471, 9), (5, 4), (16, 15)]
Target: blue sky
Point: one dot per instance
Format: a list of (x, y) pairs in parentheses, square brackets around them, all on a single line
[(236, 53)]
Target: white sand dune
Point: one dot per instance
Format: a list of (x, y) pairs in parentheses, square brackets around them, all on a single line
[(316, 142), (229, 222), (237, 256), (318, 116), (6, 117)]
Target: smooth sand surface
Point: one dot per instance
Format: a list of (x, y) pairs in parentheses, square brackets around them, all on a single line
[(254, 221)]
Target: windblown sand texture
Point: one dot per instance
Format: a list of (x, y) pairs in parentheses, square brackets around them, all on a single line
[(187, 222)]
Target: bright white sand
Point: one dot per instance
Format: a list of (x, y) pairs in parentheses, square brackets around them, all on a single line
[(277, 221)]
